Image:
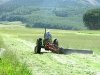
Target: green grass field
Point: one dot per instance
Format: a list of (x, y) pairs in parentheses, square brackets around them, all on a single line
[(19, 43), (9, 64)]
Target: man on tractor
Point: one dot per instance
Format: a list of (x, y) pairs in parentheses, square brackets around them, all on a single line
[(47, 43), (48, 36)]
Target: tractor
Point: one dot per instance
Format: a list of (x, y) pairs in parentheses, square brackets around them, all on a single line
[(47, 44)]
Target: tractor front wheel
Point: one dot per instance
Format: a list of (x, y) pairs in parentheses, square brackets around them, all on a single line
[(38, 46), (55, 42)]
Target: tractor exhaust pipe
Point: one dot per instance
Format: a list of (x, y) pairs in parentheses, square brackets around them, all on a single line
[(45, 32)]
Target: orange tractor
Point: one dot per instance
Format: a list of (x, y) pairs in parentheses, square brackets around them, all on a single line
[(47, 44)]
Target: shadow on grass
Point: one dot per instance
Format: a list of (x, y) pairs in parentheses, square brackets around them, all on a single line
[(70, 51), (43, 53)]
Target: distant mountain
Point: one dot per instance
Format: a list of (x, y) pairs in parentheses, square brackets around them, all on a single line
[(3, 1), (53, 3), (91, 2), (85, 2), (72, 4)]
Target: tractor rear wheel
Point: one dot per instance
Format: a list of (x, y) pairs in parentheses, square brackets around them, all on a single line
[(38, 46), (55, 42)]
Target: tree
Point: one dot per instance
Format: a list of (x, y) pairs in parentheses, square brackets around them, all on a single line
[(91, 19), (61, 13)]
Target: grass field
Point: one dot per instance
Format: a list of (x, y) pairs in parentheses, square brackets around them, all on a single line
[(19, 43), (9, 64)]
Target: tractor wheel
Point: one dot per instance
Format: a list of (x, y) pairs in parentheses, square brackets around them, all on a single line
[(55, 42), (38, 46)]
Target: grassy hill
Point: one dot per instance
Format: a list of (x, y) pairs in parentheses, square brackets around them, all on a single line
[(46, 13), (20, 41)]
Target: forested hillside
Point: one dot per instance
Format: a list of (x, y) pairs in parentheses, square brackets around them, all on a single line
[(60, 14)]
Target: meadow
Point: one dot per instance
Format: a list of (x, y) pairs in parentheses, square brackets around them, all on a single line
[(20, 59)]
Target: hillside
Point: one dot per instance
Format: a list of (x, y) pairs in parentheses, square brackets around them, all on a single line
[(60, 14)]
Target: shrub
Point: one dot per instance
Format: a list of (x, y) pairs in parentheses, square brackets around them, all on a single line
[(91, 19)]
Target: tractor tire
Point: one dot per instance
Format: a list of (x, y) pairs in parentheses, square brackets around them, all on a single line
[(55, 42), (38, 46)]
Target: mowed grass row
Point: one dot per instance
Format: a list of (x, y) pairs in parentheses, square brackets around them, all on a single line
[(9, 64)]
